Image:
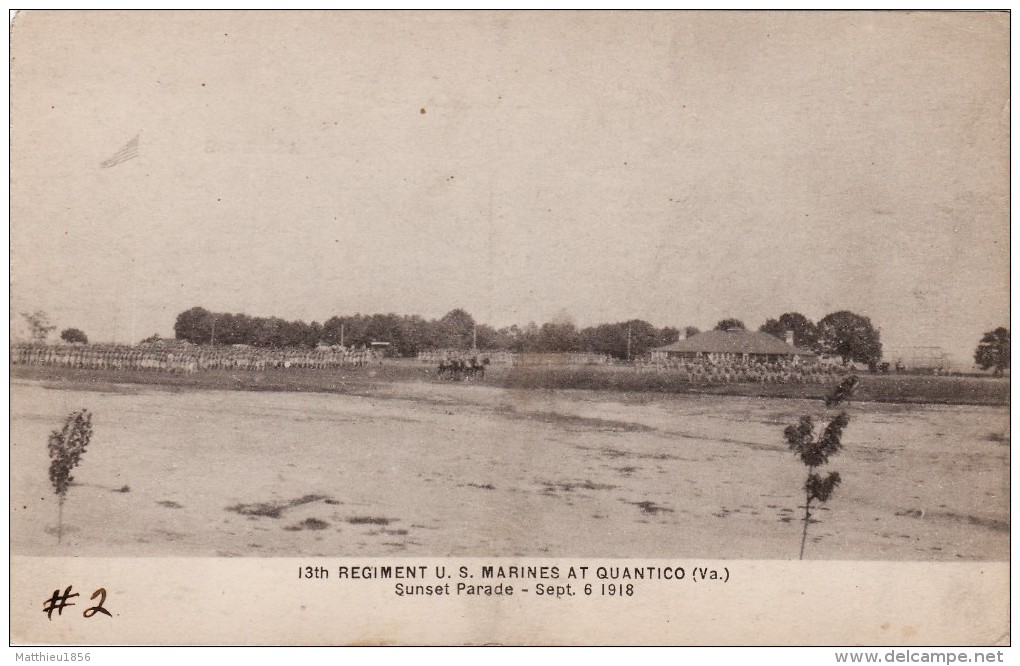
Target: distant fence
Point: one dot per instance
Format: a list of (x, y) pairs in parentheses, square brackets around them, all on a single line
[(185, 358)]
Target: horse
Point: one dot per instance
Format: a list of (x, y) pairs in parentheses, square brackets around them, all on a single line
[(476, 369), (453, 370)]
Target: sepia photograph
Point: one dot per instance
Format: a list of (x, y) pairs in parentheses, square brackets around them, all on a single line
[(632, 288)]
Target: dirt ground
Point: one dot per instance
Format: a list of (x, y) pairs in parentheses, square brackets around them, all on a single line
[(427, 469)]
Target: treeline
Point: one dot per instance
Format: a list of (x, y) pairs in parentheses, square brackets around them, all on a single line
[(844, 334), (410, 334)]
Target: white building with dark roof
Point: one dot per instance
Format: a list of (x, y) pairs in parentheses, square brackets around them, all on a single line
[(736, 345)]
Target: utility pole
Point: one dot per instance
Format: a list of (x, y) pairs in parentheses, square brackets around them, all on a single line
[(474, 339), (212, 338), (628, 342), (341, 334)]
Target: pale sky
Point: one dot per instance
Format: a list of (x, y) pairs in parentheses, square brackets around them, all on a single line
[(674, 167)]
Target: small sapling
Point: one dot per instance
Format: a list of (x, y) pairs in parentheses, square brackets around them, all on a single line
[(815, 451), (66, 449)]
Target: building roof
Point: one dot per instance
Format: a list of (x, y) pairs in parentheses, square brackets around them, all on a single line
[(735, 342)]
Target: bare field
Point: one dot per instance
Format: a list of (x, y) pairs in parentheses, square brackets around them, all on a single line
[(439, 469)]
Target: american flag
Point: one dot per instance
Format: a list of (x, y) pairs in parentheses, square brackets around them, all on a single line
[(128, 152)]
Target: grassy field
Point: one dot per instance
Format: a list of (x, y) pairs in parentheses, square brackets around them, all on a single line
[(873, 388)]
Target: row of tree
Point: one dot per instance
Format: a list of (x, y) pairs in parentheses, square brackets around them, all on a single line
[(409, 334), (845, 334)]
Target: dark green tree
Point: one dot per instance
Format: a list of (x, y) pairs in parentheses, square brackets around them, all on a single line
[(331, 331), (849, 336), (557, 337), (635, 337), (993, 351), (643, 337), (458, 329), (517, 338), (74, 335), (805, 332), (668, 335), (194, 325), (728, 323), (603, 339), (490, 339)]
